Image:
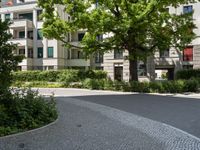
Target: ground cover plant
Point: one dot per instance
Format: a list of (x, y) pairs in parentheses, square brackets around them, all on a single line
[(25, 110), (20, 109)]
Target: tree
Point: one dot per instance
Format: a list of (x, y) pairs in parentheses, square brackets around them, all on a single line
[(8, 62), (140, 27)]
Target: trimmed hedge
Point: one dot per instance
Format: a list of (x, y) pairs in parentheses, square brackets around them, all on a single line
[(188, 74), (65, 76), (50, 76)]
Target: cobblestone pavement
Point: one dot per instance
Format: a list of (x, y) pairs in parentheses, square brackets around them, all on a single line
[(88, 126)]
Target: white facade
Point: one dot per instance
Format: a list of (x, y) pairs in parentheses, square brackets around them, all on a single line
[(157, 65), (44, 54), (40, 53)]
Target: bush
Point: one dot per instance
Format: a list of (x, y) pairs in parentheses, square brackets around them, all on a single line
[(191, 86), (69, 76), (93, 84), (50, 76), (136, 86), (65, 76), (155, 87), (25, 110), (108, 84), (188, 74)]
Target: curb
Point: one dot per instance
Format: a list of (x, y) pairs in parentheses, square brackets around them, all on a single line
[(186, 95), (29, 131)]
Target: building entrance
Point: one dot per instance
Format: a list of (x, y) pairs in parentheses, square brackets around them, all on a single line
[(118, 73), (164, 73)]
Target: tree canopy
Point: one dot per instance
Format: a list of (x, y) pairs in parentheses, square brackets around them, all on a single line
[(141, 27), (8, 61)]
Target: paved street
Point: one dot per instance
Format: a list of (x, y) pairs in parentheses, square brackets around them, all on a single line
[(182, 113), (117, 122)]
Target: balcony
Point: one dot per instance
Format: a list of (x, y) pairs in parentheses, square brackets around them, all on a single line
[(22, 41), (164, 61), (21, 22)]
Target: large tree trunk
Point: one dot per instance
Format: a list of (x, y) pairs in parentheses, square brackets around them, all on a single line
[(133, 67)]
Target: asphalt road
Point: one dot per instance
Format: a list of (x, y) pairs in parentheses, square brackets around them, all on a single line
[(182, 113), (116, 124)]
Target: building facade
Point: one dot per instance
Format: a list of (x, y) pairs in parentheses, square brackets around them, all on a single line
[(40, 53), (45, 54), (163, 64)]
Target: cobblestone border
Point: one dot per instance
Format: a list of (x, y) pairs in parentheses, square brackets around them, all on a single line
[(30, 131)]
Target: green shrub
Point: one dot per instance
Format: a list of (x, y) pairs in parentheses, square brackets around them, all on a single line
[(69, 76), (121, 86), (191, 86), (93, 84), (75, 85), (136, 86), (66, 76), (25, 110), (156, 87), (169, 87), (108, 84), (188, 74), (50, 76)]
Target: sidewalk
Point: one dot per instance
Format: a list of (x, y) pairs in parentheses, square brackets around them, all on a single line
[(70, 92)]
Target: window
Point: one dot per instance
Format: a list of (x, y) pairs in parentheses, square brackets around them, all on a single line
[(98, 58), (22, 34), (118, 72), (7, 16), (187, 67), (187, 9), (50, 67), (79, 55), (39, 12), (164, 54), (142, 70), (28, 16), (80, 36), (39, 34), (30, 34), (40, 52), (188, 54), (21, 51), (50, 52), (30, 53), (118, 54)]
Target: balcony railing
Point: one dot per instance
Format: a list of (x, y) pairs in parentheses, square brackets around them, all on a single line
[(22, 41), (164, 61), (21, 22), (22, 18)]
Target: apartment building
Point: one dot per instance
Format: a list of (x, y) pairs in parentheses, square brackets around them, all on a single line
[(45, 54), (162, 63), (40, 53)]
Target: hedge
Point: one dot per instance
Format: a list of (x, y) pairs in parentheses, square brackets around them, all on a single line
[(188, 74), (58, 76), (179, 86), (98, 80)]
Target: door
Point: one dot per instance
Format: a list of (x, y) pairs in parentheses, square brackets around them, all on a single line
[(118, 73)]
